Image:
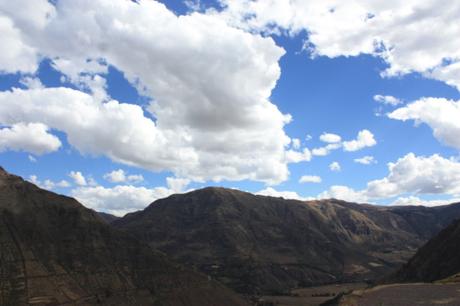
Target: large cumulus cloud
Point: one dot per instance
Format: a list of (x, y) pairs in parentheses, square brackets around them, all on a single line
[(411, 36), (210, 84)]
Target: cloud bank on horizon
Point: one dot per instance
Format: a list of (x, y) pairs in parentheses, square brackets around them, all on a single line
[(208, 78)]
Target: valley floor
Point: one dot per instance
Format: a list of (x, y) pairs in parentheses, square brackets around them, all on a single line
[(405, 294), (359, 294), (312, 296)]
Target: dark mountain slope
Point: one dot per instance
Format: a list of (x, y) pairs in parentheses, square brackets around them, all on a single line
[(53, 251), (268, 245), (108, 217), (439, 258)]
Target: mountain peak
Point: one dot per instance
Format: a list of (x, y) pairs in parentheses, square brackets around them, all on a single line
[(208, 195), (218, 190), (7, 178), (3, 172)]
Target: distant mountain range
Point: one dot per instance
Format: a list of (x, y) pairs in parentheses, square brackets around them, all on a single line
[(54, 251), (266, 245), (187, 249)]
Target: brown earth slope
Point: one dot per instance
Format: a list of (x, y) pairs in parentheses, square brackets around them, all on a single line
[(54, 251), (258, 244)]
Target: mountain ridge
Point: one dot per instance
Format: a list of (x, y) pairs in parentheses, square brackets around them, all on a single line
[(261, 244), (254, 244)]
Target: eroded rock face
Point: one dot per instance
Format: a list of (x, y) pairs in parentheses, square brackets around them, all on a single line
[(54, 251), (258, 244)]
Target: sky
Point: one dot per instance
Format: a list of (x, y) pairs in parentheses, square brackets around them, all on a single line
[(119, 103)]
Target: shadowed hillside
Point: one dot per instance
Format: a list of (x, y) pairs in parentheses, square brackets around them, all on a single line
[(439, 258), (258, 244), (54, 251), (108, 217)]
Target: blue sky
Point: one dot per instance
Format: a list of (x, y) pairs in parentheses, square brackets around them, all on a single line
[(258, 62)]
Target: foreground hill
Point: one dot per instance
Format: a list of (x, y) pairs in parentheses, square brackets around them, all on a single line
[(439, 258), (54, 251), (258, 244)]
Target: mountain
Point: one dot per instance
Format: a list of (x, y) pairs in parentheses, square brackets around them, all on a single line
[(54, 251), (259, 244), (437, 259), (107, 217)]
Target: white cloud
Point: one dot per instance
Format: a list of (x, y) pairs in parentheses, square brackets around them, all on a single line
[(293, 156), (119, 200), (85, 74), (411, 36), (219, 125), (78, 178), (365, 160), (29, 137), (63, 184), (335, 166), (411, 174), (415, 201), (271, 192), (15, 55), (177, 184), (48, 184), (91, 181), (135, 178), (33, 179), (343, 193), (326, 150), (418, 175), (122, 199), (296, 143), (365, 139), (442, 115), (31, 82), (193, 5), (330, 138), (120, 176), (447, 73), (32, 159), (388, 100), (320, 151), (310, 179)]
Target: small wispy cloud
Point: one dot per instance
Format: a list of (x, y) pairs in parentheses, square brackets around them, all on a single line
[(388, 100)]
